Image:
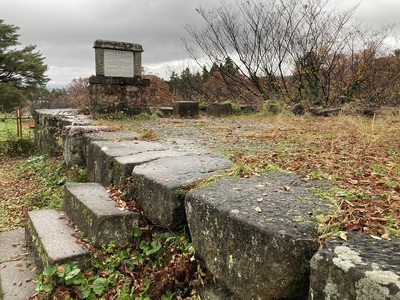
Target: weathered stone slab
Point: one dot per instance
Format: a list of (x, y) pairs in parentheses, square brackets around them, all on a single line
[(186, 108), (92, 210), (257, 235), (188, 146), (360, 268), (219, 109), (115, 136), (50, 240), (16, 267), (166, 110), (48, 127), (102, 153), (118, 59), (161, 185), (74, 144), (123, 165)]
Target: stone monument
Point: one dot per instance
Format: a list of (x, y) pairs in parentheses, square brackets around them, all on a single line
[(118, 85)]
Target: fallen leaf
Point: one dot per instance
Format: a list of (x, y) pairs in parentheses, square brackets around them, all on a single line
[(343, 236), (352, 181), (294, 166)]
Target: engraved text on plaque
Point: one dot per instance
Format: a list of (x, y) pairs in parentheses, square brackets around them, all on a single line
[(118, 63)]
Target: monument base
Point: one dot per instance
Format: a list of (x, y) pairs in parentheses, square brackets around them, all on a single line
[(118, 95)]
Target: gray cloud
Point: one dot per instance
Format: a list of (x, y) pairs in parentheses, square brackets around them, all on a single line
[(64, 30)]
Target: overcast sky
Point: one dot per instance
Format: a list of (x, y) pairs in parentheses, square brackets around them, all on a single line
[(65, 30)]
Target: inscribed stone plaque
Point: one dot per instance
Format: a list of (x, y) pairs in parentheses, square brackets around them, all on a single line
[(118, 63)]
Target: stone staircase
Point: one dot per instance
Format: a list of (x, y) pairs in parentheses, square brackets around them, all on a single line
[(257, 236), (50, 236)]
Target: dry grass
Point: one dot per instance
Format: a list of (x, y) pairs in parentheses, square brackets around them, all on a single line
[(358, 155)]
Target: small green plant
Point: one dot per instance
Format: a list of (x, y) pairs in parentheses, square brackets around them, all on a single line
[(145, 116), (69, 275), (52, 174), (151, 267)]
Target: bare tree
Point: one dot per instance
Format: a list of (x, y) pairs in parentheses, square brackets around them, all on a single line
[(287, 49)]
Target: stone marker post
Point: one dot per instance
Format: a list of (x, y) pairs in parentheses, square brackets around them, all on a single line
[(118, 85)]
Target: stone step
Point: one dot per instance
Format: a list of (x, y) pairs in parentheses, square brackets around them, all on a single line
[(94, 212), (257, 235), (17, 269), (51, 239)]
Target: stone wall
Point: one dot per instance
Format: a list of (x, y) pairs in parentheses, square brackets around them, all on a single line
[(49, 124), (118, 95), (257, 236)]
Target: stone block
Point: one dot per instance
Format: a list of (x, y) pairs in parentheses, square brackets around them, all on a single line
[(118, 98), (74, 144), (94, 212), (124, 165), (50, 240), (161, 185), (118, 59), (219, 109), (186, 109), (49, 124), (167, 110), (363, 267), (100, 165), (257, 235), (115, 136)]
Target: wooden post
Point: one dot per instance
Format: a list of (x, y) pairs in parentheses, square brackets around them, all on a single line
[(19, 123)]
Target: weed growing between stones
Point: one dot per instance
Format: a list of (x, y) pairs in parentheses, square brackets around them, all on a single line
[(156, 265)]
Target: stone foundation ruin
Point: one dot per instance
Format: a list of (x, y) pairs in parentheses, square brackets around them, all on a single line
[(118, 85)]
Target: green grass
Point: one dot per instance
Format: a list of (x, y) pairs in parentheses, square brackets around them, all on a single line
[(8, 128)]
